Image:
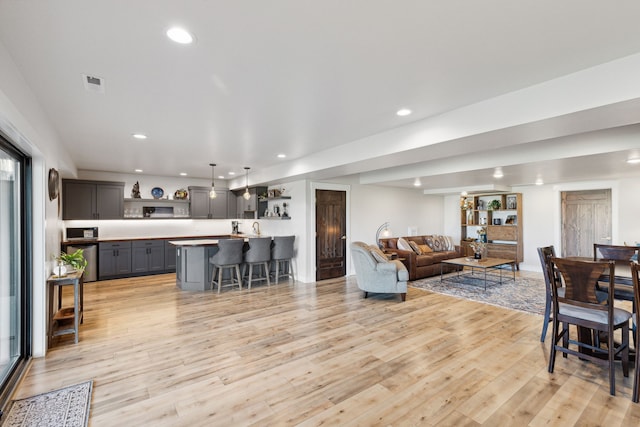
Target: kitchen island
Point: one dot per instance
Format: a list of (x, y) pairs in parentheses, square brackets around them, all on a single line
[(193, 270)]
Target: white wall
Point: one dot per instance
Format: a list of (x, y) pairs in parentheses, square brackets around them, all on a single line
[(26, 125), (541, 214)]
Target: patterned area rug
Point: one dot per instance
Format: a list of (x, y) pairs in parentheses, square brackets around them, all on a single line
[(68, 407), (526, 294)]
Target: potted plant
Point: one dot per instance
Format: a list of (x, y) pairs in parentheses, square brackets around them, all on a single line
[(75, 260), (495, 204)]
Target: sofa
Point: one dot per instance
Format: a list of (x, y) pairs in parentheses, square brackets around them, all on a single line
[(376, 273), (423, 260)]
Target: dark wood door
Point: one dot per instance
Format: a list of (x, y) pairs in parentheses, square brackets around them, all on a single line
[(331, 229), (586, 219)]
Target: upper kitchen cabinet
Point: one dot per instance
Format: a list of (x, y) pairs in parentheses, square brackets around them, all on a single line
[(202, 206), (253, 207), (92, 199)]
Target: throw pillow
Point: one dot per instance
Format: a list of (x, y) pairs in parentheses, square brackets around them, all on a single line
[(377, 254), (451, 245), (444, 243), (425, 249), (435, 243), (404, 245), (415, 247)]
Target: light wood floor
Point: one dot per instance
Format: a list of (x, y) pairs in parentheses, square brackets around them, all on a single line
[(318, 354)]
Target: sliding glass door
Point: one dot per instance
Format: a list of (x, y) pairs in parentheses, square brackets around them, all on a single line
[(14, 295)]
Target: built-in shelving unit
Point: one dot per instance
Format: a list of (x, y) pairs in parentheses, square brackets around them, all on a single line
[(503, 224), (156, 208), (272, 207)]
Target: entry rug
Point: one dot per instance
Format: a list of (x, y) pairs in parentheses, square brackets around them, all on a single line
[(65, 407), (525, 294)]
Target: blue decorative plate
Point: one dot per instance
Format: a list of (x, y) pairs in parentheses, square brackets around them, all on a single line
[(157, 192)]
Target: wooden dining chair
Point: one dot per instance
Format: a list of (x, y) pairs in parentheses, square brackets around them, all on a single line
[(635, 268), (580, 307), (551, 283)]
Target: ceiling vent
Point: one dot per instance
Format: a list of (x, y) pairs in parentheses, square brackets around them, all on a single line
[(93, 83)]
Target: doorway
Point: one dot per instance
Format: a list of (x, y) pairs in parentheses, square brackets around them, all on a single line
[(15, 267), (331, 234), (585, 220)]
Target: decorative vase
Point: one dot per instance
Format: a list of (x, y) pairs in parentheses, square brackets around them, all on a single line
[(60, 270)]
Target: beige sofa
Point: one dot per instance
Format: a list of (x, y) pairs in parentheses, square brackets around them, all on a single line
[(425, 264)]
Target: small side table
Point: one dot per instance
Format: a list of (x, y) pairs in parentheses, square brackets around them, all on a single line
[(65, 314)]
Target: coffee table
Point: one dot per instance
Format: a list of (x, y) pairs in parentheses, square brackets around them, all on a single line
[(484, 264)]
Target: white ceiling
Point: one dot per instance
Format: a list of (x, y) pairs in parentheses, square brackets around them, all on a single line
[(321, 81)]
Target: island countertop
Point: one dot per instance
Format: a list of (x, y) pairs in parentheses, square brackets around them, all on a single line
[(196, 242), (208, 242)]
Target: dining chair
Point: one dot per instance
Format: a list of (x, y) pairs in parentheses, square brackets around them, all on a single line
[(635, 268), (622, 256), (258, 254), (551, 283), (580, 307), (229, 256)]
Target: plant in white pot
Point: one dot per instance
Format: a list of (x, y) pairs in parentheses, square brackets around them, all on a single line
[(74, 260)]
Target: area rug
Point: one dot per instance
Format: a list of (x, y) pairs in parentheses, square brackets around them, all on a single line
[(65, 407), (526, 293)]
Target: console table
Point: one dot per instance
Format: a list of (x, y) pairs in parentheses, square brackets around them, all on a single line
[(69, 318)]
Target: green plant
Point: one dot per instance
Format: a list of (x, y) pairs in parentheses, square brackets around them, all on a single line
[(75, 260), (495, 204)]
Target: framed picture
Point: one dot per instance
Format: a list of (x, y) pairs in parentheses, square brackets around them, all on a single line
[(512, 202), (270, 194), (511, 219)]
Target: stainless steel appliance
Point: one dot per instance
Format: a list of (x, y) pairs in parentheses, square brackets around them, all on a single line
[(84, 236), (90, 253), (82, 233)]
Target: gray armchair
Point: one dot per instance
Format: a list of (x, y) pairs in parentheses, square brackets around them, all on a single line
[(379, 276)]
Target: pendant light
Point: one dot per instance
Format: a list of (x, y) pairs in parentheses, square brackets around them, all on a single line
[(212, 192), (246, 194)]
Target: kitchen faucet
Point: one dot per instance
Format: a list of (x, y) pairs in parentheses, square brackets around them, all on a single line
[(256, 228)]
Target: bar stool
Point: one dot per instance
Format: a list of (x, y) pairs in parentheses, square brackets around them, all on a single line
[(229, 256), (259, 254), (281, 254)]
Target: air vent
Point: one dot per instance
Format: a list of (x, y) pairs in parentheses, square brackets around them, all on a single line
[(93, 83)]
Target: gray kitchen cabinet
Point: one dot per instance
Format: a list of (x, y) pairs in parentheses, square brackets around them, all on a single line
[(114, 259), (202, 206), (147, 256), (169, 256), (92, 199), (251, 208)]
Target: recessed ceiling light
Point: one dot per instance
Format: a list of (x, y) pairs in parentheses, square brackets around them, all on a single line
[(220, 176), (417, 182), (539, 181), (497, 173), (633, 160), (139, 170), (180, 35), (139, 136), (282, 156), (403, 112), (183, 174), (232, 173)]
